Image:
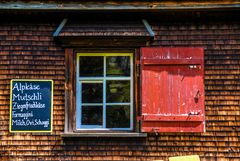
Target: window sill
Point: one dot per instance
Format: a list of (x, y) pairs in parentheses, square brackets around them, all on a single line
[(109, 135)]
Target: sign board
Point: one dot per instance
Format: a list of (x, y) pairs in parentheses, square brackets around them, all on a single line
[(31, 104)]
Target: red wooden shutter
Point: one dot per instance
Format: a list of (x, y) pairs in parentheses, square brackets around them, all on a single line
[(172, 90)]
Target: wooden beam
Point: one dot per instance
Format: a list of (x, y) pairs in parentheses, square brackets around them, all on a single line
[(148, 27), (137, 6), (58, 30), (69, 90)]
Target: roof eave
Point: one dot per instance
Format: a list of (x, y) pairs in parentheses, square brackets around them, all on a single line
[(111, 6)]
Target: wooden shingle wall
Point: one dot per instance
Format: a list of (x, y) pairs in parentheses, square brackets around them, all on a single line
[(27, 50)]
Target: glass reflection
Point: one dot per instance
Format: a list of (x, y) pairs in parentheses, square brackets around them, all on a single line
[(92, 115), (118, 116), (92, 92), (91, 66), (118, 65), (118, 91)]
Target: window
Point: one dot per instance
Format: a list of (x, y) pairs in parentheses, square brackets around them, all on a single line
[(168, 91), (104, 91)]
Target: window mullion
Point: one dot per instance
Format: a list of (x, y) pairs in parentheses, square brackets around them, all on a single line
[(131, 92), (104, 93)]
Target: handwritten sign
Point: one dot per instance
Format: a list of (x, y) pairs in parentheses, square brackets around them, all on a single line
[(31, 105)]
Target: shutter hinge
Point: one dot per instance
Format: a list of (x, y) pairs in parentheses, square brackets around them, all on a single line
[(139, 118)]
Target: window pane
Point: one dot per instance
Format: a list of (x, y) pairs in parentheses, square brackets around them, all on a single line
[(118, 116), (92, 92), (118, 65), (91, 66), (118, 91), (92, 115)]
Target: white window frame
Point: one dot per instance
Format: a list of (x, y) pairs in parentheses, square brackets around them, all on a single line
[(80, 80)]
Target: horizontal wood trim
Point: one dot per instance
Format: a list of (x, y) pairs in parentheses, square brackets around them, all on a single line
[(173, 118), (120, 135), (108, 41)]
